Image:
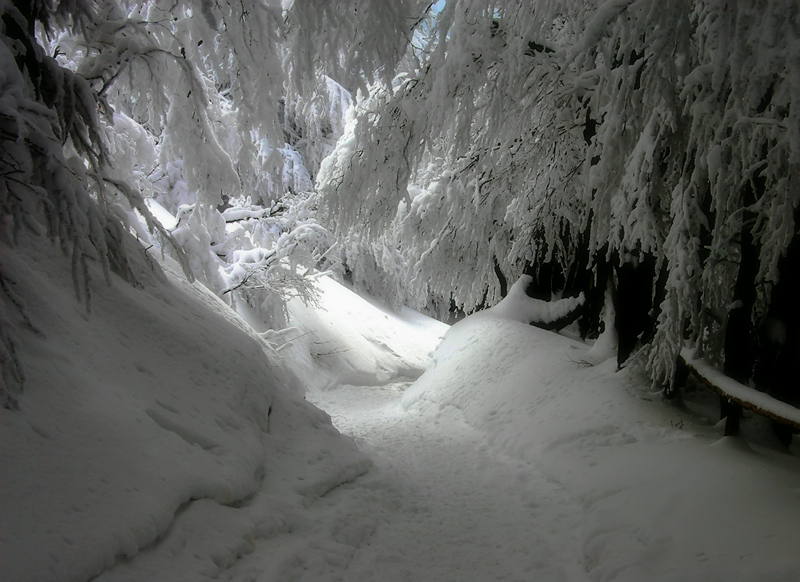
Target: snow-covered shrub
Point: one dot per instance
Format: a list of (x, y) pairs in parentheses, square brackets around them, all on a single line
[(270, 254)]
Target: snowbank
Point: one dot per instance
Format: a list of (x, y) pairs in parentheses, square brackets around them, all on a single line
[(663, 497), (157, 438), (353, 341)]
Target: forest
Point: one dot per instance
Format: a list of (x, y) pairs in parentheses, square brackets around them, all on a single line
[(639, 158), (643, 149)]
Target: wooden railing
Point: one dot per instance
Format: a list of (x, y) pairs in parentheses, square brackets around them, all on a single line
[(738, 396)]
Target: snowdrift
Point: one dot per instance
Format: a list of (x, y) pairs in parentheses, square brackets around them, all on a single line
[(664, 497), (346, 339), (157, 438)]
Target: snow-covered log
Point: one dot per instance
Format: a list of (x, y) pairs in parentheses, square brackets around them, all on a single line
[(739, 394)]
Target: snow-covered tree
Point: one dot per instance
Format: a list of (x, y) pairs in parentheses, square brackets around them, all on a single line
[(641, 140), (54, 161), (107, 102), (647, 144)]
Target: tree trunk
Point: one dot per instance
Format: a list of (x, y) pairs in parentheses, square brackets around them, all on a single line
[(738, 336), (501, 279), (633, 304), (778, 352), (594, 289)]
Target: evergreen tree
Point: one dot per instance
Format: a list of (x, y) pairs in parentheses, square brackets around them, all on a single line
[(644, 141), (106, 103)]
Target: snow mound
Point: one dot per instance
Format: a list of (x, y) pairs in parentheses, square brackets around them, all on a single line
[(157, 438), (356, 342), (663, 498)]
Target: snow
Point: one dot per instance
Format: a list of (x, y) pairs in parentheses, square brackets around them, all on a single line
[(606, 345), (233, 214), (512, 459), (162, 438), (741, 392), (157, 438), (161, 214), (352, 341), (517, 306)]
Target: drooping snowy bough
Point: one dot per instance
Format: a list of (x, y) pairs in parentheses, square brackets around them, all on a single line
[(199, 106), (652, 145)]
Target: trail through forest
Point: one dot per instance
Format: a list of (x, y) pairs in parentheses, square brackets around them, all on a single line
[(514, 458), (508, 458), (456, 510)]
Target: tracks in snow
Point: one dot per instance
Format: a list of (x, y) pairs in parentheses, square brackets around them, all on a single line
[(453, 510)]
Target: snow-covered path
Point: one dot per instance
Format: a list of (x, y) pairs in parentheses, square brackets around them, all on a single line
[(455, 510), (512, 458), (162, 439)]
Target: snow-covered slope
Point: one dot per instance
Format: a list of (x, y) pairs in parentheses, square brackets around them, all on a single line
[(346, 339), (567, 472), (157, 438), (162, 439), (663, 496)]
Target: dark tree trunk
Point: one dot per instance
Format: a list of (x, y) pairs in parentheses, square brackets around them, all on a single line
[(501, 279), (594, 288), (778, 353), (547, 278), (633, 304), (672, 391), (561, 322), (738, 336), (659, 294), (542, 285)]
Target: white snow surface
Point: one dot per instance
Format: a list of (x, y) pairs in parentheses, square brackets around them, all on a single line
[(158, 438), (659, 494), (513, 459), (351, 340), (162, 439)]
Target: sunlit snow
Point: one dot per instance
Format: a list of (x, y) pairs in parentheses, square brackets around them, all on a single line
[(162, 440)]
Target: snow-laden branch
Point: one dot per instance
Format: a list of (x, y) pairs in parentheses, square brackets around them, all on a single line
[(518, 306)]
